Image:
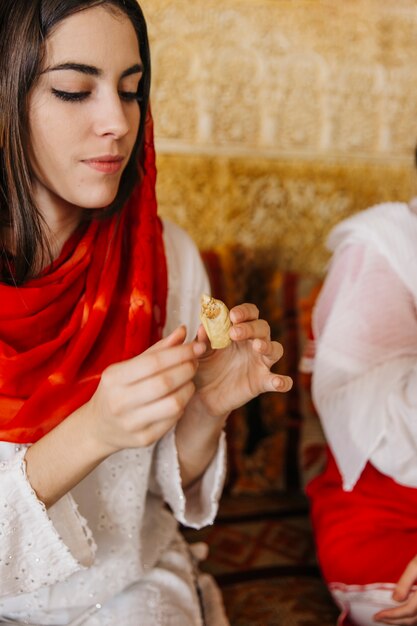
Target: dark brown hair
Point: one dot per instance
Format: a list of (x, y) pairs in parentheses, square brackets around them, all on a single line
[(24, 26)]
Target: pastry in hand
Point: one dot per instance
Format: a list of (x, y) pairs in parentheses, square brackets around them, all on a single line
[(215, 318)]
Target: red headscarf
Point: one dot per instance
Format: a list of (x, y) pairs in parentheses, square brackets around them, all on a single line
[(102, 301)]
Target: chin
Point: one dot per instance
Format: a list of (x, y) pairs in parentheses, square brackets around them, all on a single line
[(100, 201)]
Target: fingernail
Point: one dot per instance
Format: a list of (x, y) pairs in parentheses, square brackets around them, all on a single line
[(282, 383)]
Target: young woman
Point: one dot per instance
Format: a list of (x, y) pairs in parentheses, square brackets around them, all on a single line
[(364, 384), (103, 423)]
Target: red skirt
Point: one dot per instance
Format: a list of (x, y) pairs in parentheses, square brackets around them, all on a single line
[(363, 536)]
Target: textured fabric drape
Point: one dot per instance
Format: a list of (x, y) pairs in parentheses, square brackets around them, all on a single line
[(102, 301)]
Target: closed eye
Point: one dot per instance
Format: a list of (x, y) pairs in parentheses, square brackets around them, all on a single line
[(71, 96), (79, 96), (130, 96)]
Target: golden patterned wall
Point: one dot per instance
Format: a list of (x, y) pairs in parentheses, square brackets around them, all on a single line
[(276, 118)]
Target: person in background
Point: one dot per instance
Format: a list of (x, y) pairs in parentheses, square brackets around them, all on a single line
[(112, 403), (364, 504)]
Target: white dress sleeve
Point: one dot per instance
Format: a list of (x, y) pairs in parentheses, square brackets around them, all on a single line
[(365, 369), (37, 547), (187, 280), (196, 506)]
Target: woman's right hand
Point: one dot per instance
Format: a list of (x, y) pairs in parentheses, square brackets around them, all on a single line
[(406, 613), (135, 404), (139, 400)]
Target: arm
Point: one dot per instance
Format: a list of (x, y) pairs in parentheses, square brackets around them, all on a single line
[(225, 380), (37, 547), (187, 280), (364, 379), (135, 404)]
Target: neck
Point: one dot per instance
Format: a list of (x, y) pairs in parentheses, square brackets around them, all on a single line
[(60, 218), (59, 231)]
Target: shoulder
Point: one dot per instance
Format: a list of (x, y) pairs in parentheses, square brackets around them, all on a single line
[(179, 246), (387, 231), (187, 279), (376, 226)]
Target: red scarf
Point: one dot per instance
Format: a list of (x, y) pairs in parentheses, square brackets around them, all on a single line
[(102, 301)]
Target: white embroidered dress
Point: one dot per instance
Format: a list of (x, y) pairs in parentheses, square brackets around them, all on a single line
[(109, 552)]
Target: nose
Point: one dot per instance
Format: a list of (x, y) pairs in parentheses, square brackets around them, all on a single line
[(111, 117)]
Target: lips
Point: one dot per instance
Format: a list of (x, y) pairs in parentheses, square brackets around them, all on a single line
[(108, 164)]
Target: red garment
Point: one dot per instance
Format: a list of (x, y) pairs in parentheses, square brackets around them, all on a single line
[(103, 301), (368, 535)]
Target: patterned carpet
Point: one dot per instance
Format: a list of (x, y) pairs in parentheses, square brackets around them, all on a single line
[(283, 601), (261, 552)]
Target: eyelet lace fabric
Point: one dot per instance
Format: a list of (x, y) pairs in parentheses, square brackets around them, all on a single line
[(127, 543)]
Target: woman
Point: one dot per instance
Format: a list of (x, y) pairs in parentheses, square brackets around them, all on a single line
[(102, 422), (364, 387)]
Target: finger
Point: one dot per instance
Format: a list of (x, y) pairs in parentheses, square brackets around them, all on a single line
[(397, 615), (243, 313), (175, 338), (401, 621), (256, 329), (271, 351), (147, 435), (280, 383), (155, 432), (406, 581), (150, 363), (150, 419), (275, 382), (150, 390)]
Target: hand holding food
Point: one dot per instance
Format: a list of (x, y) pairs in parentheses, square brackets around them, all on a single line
[(226, 379)]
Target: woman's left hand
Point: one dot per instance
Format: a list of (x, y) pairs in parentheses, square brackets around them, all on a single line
[(406, 613), (226, 379), (230, 377)]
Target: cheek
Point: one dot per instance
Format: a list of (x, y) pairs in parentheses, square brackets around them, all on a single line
[(48, 136), (53, 143), (44, 142)]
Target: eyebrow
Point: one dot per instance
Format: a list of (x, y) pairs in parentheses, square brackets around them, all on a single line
[(91, 70)]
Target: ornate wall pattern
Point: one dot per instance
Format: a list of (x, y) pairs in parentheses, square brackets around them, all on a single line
[(276, 118), (283, 210)]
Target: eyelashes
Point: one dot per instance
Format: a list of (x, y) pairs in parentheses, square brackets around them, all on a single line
[(70, 96), (80, 96)]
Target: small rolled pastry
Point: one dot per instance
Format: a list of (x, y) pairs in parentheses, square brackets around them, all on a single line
[(215, 318)]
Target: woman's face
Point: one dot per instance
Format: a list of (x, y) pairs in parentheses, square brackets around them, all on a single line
[(83, 111)]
